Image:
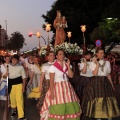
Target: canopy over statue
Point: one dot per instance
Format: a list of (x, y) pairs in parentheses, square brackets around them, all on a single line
[(59, 24)]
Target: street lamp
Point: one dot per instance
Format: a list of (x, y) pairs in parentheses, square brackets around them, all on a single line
[(69, 35), (38, 35), (83, 29), (48, 28)]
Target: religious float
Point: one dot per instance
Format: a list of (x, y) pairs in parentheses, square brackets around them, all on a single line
[(72, 51)]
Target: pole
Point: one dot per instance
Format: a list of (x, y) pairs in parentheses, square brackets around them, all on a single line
[(69, 39), (7, 109), (39, 42), (44, 39), (84, 47), (83, 39), (48, 38), (6, 25), (6, 35)]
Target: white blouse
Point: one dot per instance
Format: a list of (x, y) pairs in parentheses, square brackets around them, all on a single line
[(16, 71), (88, 72), (3, 69), (58, 74), (28, 65), (45, 69), (106, 69), (36, 69)]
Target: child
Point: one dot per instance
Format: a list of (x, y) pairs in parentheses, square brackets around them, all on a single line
[(16, 86)]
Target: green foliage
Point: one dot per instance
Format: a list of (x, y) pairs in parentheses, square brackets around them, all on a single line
[(16, 41), (108, 31)]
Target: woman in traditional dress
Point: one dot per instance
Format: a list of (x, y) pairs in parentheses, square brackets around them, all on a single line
[(3, 82), (99, 99), (34, 83), (61, 101), (45, 79)]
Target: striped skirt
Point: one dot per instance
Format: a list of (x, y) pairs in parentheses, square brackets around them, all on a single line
[(65, 104), (99, 99)]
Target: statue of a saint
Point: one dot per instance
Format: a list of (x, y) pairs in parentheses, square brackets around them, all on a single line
[(59, 24)]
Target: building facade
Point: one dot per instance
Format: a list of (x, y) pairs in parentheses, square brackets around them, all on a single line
[(2, 36)]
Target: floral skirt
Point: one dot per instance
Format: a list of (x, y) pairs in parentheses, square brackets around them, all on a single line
[(3, 87), (64, 106), (46, 85), (99, 99)]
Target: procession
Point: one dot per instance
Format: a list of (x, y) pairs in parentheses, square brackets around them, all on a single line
[(62, 79)]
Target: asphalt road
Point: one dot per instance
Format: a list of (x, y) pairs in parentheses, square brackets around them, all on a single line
[(32, 113)]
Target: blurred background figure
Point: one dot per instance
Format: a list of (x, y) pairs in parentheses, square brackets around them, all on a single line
[(4, 74), (34, 82)]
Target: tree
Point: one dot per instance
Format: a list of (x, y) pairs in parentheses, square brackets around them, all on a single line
[(109, 32), (16, 41), (77, 13)]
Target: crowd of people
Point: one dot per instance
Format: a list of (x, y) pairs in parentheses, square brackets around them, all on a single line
[(50, 85), (114, 59)]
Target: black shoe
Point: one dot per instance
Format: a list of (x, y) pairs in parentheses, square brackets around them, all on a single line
[(22, 118), (14, 113)]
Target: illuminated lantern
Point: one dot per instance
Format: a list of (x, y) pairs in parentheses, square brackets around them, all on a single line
[(38, 34)]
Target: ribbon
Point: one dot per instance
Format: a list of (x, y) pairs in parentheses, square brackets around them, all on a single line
[(58, 66)]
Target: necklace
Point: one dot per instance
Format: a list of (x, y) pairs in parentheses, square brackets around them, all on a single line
[(102, 66)]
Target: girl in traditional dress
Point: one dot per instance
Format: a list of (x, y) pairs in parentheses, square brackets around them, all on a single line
[(3, 82), (28, 64), (45, 79), (34, 83), (61, 101), (85, 74), (99, 99)]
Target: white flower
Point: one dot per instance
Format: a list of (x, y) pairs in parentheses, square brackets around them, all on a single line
[(66, 45), (71, 45), (75, 44), (43, 49)]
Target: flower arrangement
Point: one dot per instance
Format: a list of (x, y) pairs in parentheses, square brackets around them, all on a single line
[(43, 50), (69, 48)]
